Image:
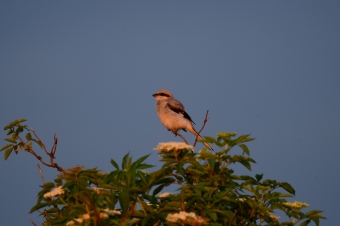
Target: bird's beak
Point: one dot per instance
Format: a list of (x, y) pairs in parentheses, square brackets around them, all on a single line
[(154, 94)]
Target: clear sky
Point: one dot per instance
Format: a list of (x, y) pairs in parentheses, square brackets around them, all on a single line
[(87, 69)]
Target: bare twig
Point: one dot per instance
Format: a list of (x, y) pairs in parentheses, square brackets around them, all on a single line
[(33, 223), (41, 174), (46, 215), (39, 141), (204, 122), (183, 138), (232, 218), (54, 147), (127, 215), (52, 164), (93, 207)]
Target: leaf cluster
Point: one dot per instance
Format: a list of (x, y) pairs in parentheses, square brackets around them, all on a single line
[(208, 191)]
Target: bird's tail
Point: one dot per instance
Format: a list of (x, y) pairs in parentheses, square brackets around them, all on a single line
[(193, 131)]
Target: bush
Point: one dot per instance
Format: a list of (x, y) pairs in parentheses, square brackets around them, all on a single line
[(209, 192)]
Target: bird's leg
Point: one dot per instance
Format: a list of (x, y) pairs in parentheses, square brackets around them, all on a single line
[(181, 137)]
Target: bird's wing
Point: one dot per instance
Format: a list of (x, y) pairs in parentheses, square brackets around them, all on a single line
[(178, 107)]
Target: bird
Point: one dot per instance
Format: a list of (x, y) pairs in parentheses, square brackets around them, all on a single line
[(173, 116)]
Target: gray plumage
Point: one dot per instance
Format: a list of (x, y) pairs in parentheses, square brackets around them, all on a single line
[(172, 114)]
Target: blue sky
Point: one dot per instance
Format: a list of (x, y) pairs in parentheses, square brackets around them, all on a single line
[(86, 70)]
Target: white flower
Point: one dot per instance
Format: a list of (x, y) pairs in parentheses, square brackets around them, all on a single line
[(274, 217), (96, 190), (241, 199), (86, 216), (183, 216), (79, 220), (296, 205), (55, 192), (112, 212), (103, 215), (170, 146), (200, 221), (163, 195)]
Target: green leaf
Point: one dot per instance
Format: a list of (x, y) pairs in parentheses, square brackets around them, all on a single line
[(288, 187), (12, 139), (20, 129), (125, 162), (6, 146), (245, 164), (41, 145), (52, 210), (114, 164), (28, 136), (8, 152), (213, 216), (60, 221), (14, 123), (244, 148), (136, 190), (212, 161), (124, 201), (312, 212), (39, 205), (136, 164), (180, 168), (305, 223), (316, 220), (209, 139), (158, 189), (145, 166), (49, 185), (243, 138), (68, 184), (318, 216), (259, 177), (226, 134), (10, 132)]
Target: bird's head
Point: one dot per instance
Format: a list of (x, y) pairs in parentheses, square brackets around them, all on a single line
[(162, 94)]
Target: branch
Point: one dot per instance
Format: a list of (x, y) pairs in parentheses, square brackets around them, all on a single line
[(51, 154), (204, 122), (41, 174), (93, 206), (232, 218), (33, 223), (183, 138), (40, 141), (127, 214)]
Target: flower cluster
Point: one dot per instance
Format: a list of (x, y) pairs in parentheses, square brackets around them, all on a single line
[(78, 220), (173, 146), (163, 195), (296, 205), (57, 191), (112, 212), (184, 217)]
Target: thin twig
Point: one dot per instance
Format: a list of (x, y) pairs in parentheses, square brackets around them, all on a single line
[(204, 122), (127, 215), (33, 223), (232, 218), (40, 141), (54, 147), (51, 155), (41, 174), (183, 138), (93, 207)]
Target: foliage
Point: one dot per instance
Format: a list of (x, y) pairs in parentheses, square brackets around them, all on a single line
[(209, 192)]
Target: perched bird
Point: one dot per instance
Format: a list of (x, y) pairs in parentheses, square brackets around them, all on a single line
[(172, 114)]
